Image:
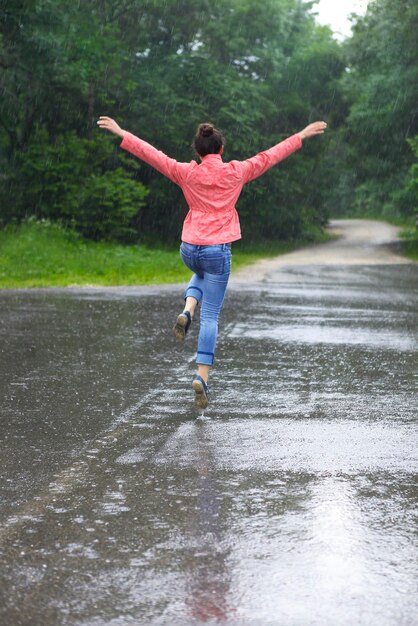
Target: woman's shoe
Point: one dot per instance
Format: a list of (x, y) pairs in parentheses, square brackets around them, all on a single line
[(201, 390), (182, 325)]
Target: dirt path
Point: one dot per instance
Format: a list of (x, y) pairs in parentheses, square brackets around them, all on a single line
[(360, 242)]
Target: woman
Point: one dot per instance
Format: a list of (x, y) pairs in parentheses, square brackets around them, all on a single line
[(211, 189)]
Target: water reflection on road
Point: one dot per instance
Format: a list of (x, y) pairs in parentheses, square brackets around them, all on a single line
[(291, 501), (209, 575)]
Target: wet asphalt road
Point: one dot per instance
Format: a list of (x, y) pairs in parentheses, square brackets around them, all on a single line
[(291, 502)]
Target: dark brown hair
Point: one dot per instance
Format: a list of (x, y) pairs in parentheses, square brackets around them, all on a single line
[(208, 140)]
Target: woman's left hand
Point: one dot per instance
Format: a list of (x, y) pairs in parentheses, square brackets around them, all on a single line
[(108, 124)]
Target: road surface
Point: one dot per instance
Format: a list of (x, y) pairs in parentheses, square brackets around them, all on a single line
[(290, 502), (358, 242)]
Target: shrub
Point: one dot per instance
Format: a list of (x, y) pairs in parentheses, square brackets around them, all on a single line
[(73, 180)]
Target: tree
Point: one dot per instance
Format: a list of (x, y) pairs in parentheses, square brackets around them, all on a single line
[(381, 89), (260, 71)]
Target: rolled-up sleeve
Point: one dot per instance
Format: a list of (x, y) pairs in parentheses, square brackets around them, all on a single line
[(174, 170), (256, 166)]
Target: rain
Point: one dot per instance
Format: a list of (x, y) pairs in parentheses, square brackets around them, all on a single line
[(291, 499)]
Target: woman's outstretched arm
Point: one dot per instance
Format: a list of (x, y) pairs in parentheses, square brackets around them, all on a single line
[(260, 163), (171, 168)]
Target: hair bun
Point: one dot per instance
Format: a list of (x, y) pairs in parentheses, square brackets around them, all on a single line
[(206, 130)]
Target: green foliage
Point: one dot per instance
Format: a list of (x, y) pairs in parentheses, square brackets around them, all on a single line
[(108, 205), (245, 79), (410, 232), (260, 71), (412, 184), (381, 91), (67, 180), (410, 242)]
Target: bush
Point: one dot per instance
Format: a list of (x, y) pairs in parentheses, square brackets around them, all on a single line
[(72, 180), (412, 184)]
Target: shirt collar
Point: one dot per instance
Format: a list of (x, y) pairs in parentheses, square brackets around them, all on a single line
[(209, 157)]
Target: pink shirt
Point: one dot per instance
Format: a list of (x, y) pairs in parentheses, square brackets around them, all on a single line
[(212, 187)]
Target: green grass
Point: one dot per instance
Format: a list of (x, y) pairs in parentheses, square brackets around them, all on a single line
[(43, 254), (409, 236)]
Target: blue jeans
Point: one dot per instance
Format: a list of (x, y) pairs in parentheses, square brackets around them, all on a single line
[(211, 266)]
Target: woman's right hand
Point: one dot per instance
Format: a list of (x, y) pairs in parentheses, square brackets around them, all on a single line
[(317, 128), (108, 124)]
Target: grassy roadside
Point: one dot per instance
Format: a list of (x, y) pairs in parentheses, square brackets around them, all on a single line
[(408, 235), (409, 244), (43, 254)]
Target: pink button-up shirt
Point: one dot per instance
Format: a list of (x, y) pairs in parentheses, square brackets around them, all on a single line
[(212, 187)]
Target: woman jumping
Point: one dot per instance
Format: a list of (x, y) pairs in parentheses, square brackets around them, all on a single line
[(211, 189)]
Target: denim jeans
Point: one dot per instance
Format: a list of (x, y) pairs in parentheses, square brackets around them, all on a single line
[(211, 266)]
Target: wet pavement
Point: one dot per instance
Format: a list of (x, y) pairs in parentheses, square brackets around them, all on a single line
[(291, 501)]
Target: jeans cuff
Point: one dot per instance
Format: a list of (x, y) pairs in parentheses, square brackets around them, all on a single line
[(193, 292), (204, 358)]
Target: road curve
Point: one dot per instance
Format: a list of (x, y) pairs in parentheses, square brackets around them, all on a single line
[(359, 242)]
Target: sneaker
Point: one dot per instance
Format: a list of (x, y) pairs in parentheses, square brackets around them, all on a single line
[(201, 390), (182, 325)]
